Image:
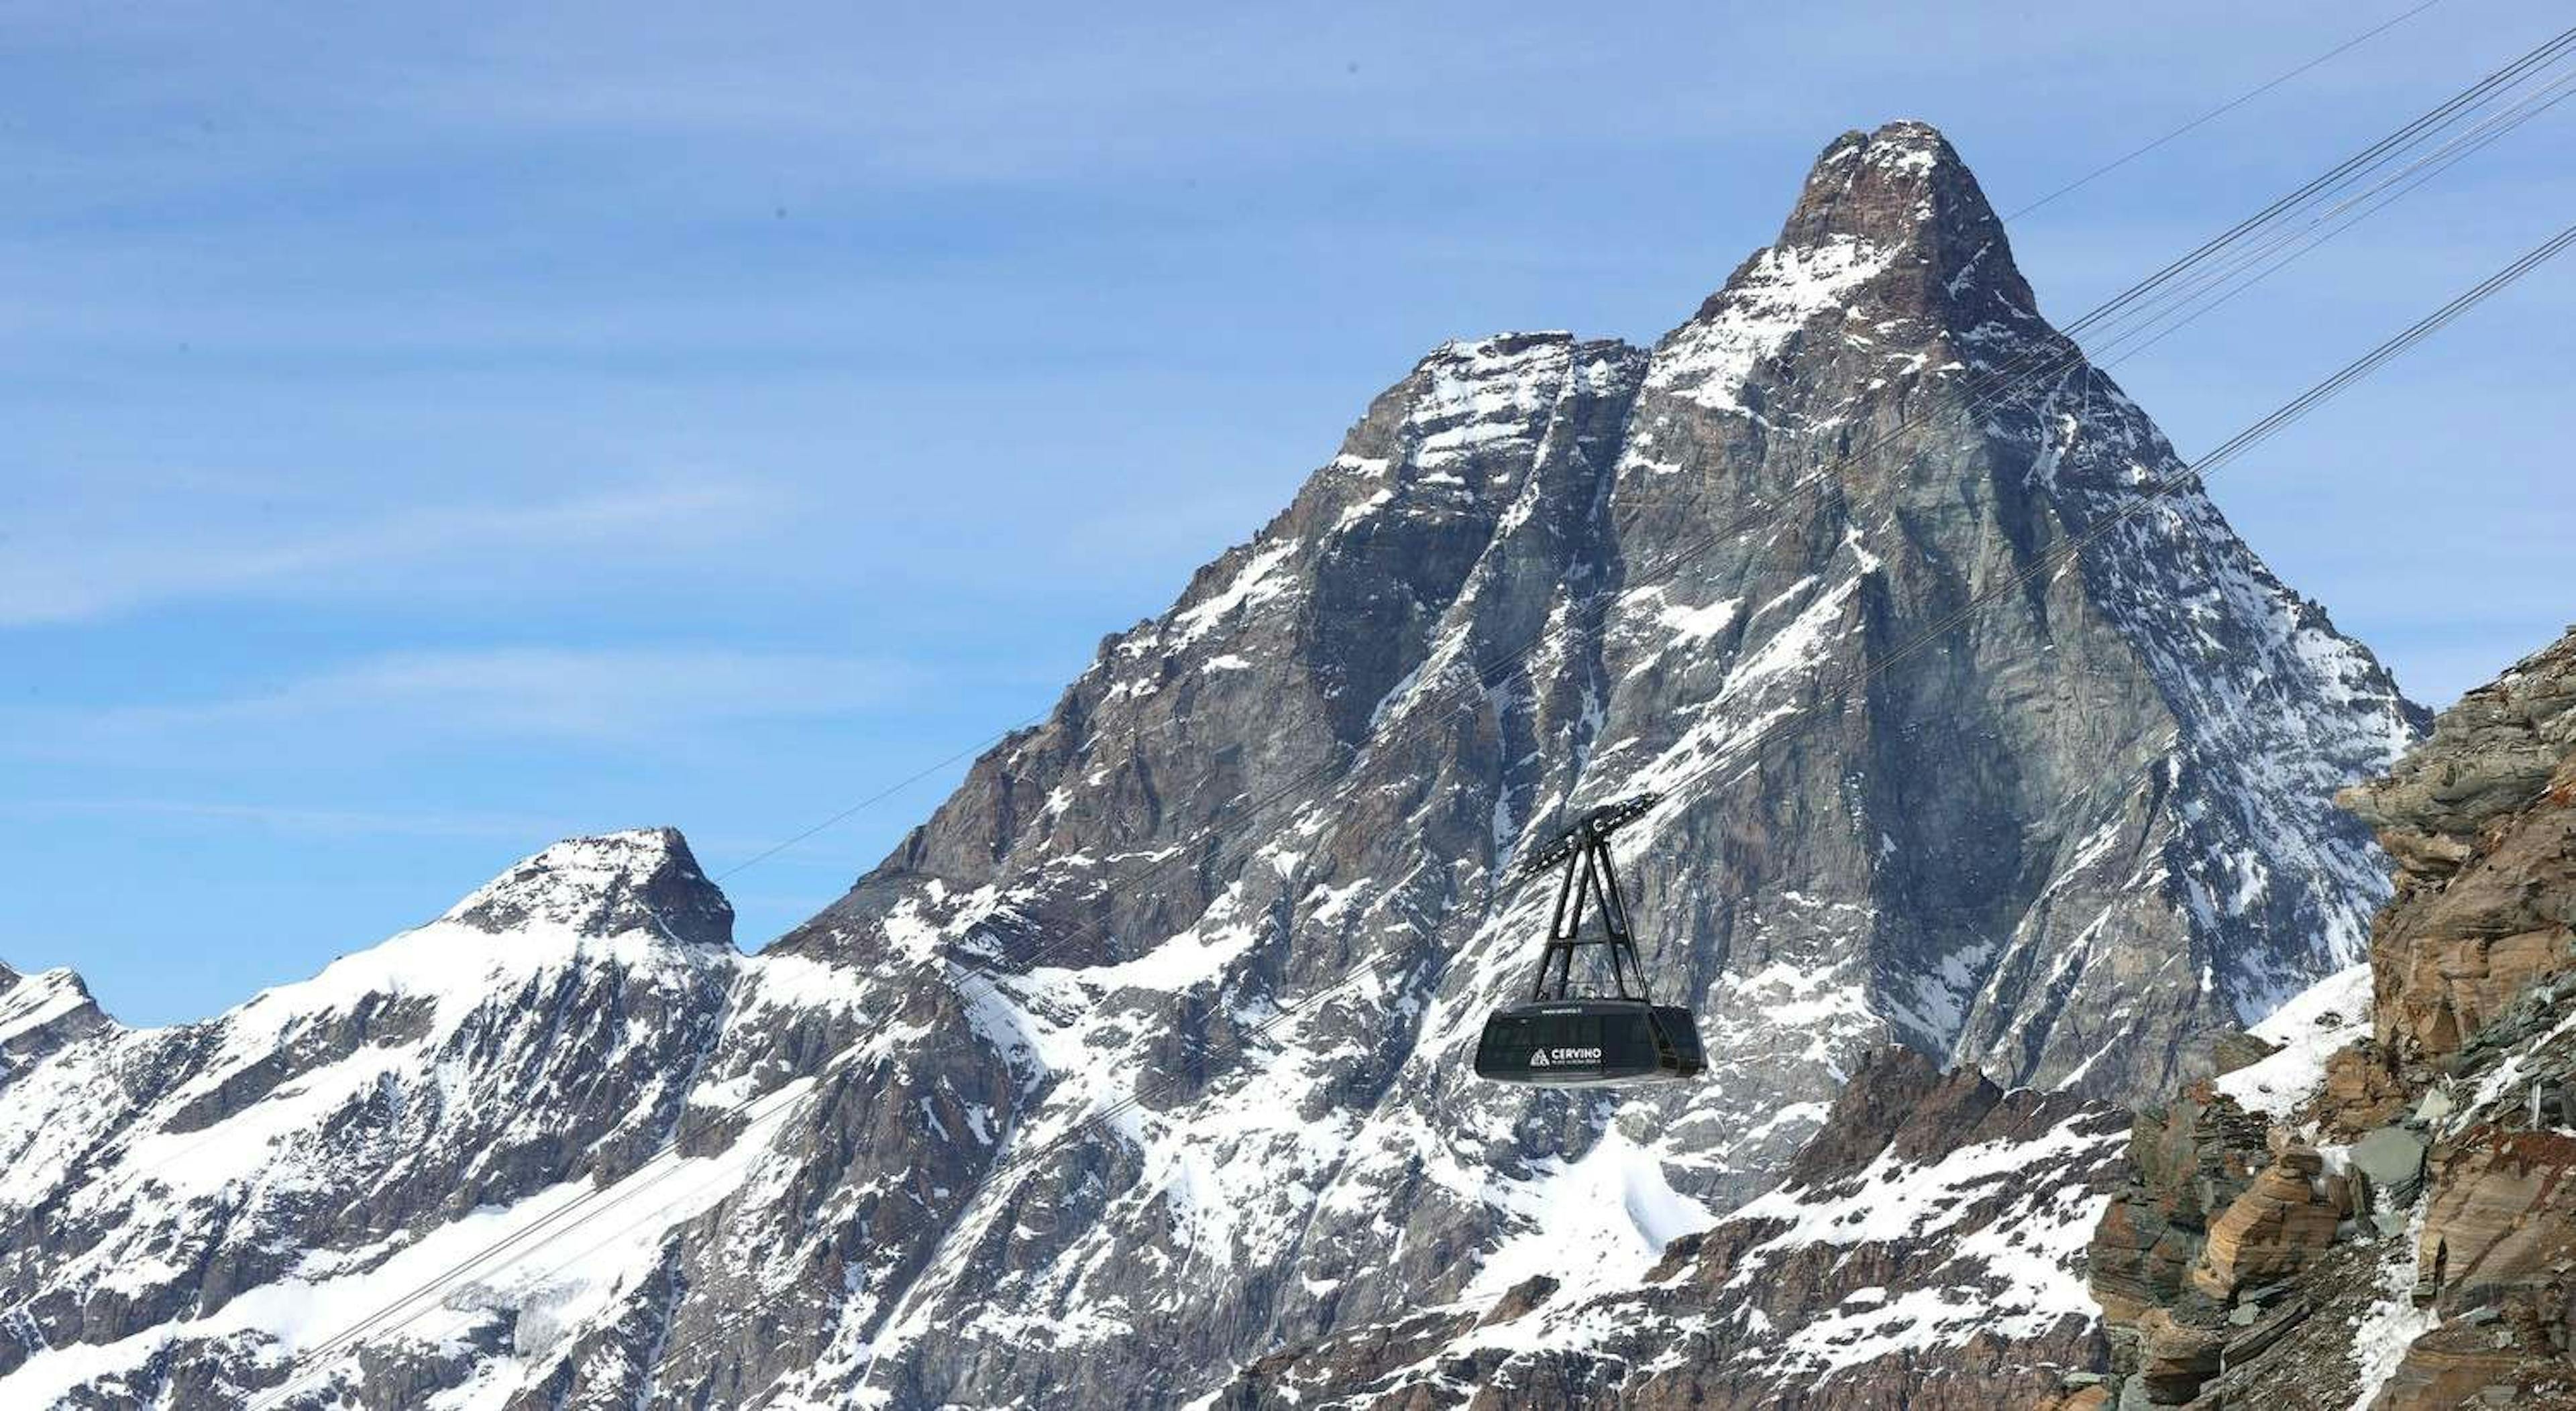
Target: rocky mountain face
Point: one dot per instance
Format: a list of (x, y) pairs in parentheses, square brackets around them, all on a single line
[(2374, 1205), (1145, 1057), (2382, 1212)]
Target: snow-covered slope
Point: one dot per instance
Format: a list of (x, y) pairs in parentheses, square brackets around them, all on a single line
[(1145, 1055), (1923, 1251), (257, 1183)]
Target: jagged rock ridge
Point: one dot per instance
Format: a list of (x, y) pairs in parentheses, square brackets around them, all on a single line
[(2082, 833)]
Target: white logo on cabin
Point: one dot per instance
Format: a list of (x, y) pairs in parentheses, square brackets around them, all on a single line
[(1538, 1058), (1550, 1057)]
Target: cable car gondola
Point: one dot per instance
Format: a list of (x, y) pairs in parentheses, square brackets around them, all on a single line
[(1570, 1036)]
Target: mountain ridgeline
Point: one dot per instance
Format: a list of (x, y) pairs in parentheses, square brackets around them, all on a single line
[(1794, 566)]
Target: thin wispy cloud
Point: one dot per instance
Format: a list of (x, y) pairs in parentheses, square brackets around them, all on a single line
[(86, 564), (611, 698), (301, 819)]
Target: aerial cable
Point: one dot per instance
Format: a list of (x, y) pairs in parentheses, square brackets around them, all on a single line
[(2222, 110), (2160, 295), (2323, 225), (2270, 258), (2548, 52), (879, 796)]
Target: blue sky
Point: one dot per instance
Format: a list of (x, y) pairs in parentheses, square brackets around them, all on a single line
[(439, 430)]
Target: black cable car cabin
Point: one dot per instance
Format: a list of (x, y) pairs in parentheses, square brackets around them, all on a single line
[(1564, 1038)]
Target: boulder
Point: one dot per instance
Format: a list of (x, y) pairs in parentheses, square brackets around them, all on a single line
[(2138, 1259), (2271, 1230), (2190, 1158), (2238, 1049), (2361, 1091), (2392, 1160), (2175, 1358)]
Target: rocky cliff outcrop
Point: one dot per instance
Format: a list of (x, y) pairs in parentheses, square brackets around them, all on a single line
[(2477, 820), (1146, 1056), (2412, 1240)]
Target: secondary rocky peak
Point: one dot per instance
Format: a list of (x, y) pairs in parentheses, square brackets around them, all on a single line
[(642, 879), (40, 1013)]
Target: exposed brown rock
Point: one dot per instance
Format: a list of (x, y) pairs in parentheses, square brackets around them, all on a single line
[(2479, 820), (2448, 986), (2189, 1160), (2137, 1260), (2471, 967), (2271, 1230), (1522, 1297), (2175, 1357), (2502, 1210), (2361, 1091)]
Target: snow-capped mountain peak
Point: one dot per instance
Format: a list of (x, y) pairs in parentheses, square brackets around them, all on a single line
[(641, 879), (40, 1013), (1901, 187)]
